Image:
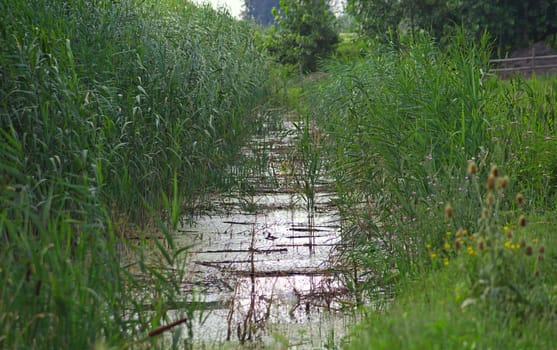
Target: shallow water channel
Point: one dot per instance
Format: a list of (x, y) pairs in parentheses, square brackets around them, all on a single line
[(261, 261)]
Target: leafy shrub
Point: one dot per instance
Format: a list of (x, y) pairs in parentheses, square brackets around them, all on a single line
[(305, 33)]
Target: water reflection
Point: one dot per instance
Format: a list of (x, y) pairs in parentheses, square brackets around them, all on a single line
[(261, 262)]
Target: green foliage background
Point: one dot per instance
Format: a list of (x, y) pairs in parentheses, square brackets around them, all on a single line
[(511, 23), (403, 122), (305, 33)]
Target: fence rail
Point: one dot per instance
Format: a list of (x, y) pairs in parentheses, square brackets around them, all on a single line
[(526, 64)]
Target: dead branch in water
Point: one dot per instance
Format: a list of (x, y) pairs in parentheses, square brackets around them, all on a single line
[(163, 329)]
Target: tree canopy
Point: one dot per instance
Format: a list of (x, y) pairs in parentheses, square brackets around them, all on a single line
[(513, 23), (305, 32)]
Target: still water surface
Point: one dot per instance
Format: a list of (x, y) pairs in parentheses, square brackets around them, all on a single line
[(262, 264)]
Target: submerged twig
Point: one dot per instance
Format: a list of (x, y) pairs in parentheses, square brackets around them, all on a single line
[(163, 329)]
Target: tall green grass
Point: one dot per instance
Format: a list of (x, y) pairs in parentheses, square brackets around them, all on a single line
[(127, 93), (110, 111), (403, 123)]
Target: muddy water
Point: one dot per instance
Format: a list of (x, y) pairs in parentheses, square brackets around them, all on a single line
[(261, 260)]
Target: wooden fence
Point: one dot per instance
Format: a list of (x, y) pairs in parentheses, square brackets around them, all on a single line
[(525, 65)]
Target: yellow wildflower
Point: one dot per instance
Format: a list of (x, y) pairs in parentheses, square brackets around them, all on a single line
[(471, 250)]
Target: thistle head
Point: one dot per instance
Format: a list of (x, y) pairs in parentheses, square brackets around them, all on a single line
[(490, 199), (519, 199), (449, 211), (490, 183), (472, 168), (522, 221), (494, 171), (502, 182)]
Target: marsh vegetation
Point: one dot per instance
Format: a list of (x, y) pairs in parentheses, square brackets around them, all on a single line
[(161, 172), (117, 119), (404, 125)]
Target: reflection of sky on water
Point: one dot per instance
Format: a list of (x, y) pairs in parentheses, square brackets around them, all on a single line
[(283, 242), (271, 265)]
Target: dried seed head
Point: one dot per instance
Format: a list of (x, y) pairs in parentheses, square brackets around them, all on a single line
[(457, 245), (449, 211), (494, 171), (472, 168), (541, 250), (519, 199), (490, 199), (522, 221), (509, 235), (502, 182), (485, 213), (529, 250), (481, 245), (490, 183)]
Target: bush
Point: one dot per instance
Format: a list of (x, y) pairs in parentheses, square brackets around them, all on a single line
[(305, 33)]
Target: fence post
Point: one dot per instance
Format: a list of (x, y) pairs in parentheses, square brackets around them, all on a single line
[(533, 60)]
